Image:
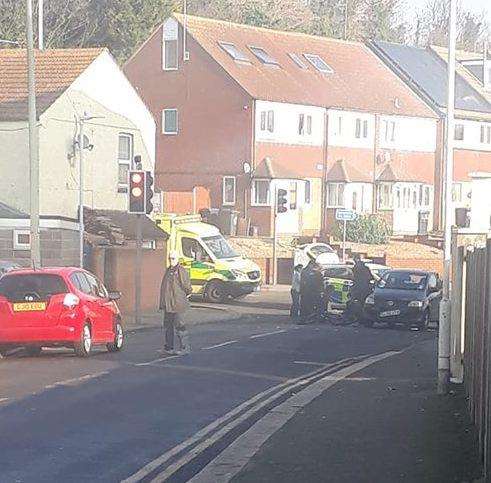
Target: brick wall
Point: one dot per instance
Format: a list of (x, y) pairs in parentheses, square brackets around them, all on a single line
[(59, 247), (116, 266), (432, 264)]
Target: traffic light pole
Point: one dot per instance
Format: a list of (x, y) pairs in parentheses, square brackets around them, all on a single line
[(138, 269), (275, 237)]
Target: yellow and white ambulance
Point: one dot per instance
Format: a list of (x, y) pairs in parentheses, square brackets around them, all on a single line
[(217, 272)]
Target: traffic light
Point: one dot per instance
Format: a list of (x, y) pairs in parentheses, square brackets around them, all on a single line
[(281, 201), (148, 192), (136, 194)]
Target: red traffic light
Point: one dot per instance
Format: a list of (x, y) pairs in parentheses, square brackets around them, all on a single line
[(281, 201), (136, 195)]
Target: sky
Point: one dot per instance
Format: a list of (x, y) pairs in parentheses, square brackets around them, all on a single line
[(473, 5)]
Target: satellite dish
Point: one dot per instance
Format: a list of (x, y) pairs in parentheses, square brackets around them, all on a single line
[(246, 167)]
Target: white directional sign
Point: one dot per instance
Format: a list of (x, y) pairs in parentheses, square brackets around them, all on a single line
[(345, 215)]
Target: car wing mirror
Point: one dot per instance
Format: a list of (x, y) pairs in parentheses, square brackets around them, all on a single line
[(114, 296)]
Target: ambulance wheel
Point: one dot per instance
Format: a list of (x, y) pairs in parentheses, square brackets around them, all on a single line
[(215, 291)]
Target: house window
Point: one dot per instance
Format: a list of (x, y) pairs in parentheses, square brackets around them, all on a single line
[(234, 52), (267, 121), (354, 200), (228, 190), (457, 192), (415, 199), (308, 193), (171, 56), (297, 60), (459, 132), (335, 194), (361, 129), (398, 196), (260, 195), (318, 62), (304, 124), (293, 195), (22, 240), (270, 121), (169, 121), (125, 157), (389, 131), (385, 200), (485, 134), (427, 195), (340, 125), (263, 56)]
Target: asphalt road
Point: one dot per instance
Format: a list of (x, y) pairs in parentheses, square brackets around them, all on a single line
[(142, 417)]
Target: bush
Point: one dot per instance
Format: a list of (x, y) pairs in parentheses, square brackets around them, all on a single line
[(365, 229)]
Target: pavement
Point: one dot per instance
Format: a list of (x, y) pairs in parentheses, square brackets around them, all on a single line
[(258, 399)]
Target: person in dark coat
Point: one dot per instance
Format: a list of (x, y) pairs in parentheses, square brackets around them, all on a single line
[(174, 292), (295, 290), (311, 288), (361, 289)]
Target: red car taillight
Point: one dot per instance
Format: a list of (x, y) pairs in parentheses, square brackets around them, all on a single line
[(71, 300)]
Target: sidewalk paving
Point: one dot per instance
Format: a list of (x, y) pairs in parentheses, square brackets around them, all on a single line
[(386, 424)]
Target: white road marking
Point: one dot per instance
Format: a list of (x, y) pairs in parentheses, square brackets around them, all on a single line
[(213, 370), (258, 336), (308, 363), (223, 344), (3, 399), (77, 380), (248, 406), (151, 363), (230, 461)]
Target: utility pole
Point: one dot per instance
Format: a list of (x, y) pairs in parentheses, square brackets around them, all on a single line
[(33, 142), (275, 237), (444, 330), (138, 269), (81, 224), (41, 24)]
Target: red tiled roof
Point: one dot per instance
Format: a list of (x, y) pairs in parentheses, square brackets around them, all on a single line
[(56, 70), (270, 169), (392, 173), (347, 173), (360, 80)]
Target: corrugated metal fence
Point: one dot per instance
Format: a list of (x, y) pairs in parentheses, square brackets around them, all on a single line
[(477, 345)]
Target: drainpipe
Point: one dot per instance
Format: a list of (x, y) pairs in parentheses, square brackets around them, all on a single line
[(324, 173)]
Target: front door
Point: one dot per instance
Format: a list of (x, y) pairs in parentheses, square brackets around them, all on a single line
[(288, 222)]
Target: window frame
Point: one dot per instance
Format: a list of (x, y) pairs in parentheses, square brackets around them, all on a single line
[(460, 129), (242, 58), (123, 185), (263, 56), (297, 61), (21, 246), (164, 131), (301, 124), (307, 192), (164, 56), (224, 180), (385, 193), (254, 201), (312, 58), (340, 189), (270, 121)]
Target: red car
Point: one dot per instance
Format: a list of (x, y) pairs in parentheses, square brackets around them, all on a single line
[(58, 307)]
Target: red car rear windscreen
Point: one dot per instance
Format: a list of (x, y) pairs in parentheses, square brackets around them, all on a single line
[(31, 287)]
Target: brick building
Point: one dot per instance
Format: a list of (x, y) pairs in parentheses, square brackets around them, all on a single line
[(244, 111), (425, 71)]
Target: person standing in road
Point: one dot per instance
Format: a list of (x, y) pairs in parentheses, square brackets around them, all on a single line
[(174, 292), (361, 289), (311, 287), (295, 290)]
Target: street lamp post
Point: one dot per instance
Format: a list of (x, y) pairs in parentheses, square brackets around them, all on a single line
[(41, 24), (33, 142), (444, 325)]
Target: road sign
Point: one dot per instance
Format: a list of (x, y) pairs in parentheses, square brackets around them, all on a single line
[(345, 215)]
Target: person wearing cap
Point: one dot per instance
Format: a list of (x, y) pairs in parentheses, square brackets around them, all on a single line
[(295, 290), (174, 292), (362, 279), (311, 287)]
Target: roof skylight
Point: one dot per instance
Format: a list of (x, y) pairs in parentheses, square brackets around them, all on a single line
[(318, 62), (234, 52), (297, 60), (263, 56)]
